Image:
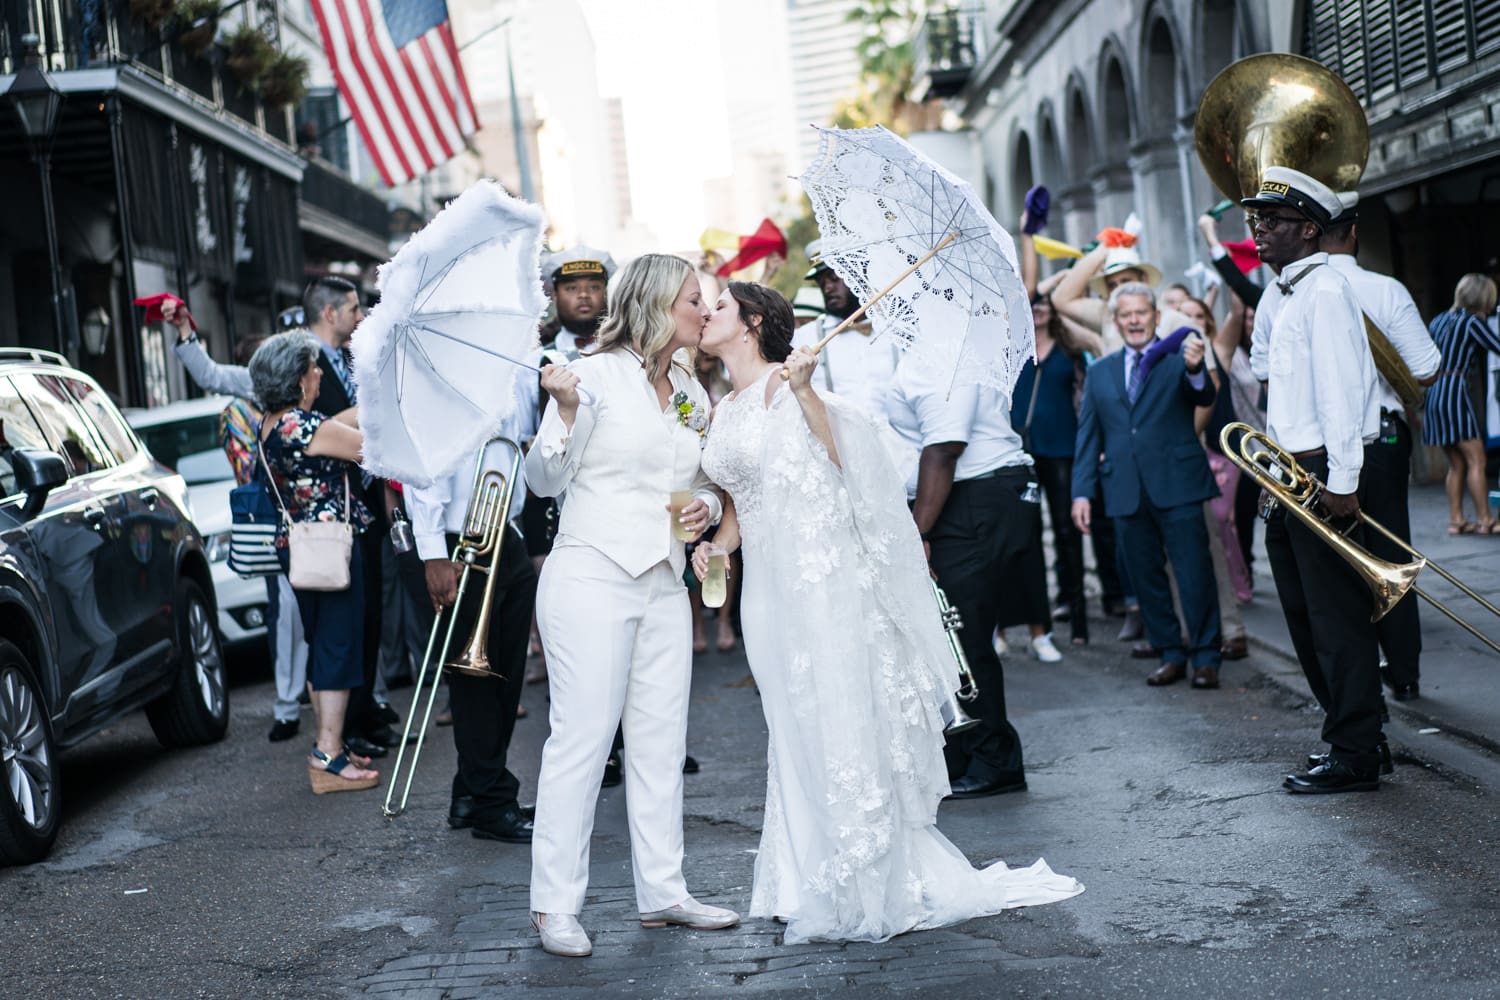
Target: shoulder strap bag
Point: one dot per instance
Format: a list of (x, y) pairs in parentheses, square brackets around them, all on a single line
[(319, 551)]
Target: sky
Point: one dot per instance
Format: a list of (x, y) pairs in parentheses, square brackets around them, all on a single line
[(662, 58)]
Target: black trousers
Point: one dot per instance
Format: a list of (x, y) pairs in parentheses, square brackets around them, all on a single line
[(983, 523), (484, 708), (1327, 608), (1056, 478), (1382, 495), (360, 716)]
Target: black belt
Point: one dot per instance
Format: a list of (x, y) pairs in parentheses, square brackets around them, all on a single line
[(1004, 472)]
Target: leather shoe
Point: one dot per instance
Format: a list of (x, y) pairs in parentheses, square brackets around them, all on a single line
[(691, 913), (1331, 777), (1143, 650), (383, 735), (363, 747), (1387, 765), (611, 772), (1133, 627), (1167, 673), (510, 826), (1406, 692), (970, 787), (461, 812), (1235, 649), (384, 713), (562, 934), (282, 729), (1206, 678)]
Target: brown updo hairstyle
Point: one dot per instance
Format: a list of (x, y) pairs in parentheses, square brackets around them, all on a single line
[(768, 315)]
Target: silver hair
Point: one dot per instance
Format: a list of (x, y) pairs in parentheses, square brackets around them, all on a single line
[(1130, 288), (277, 367)]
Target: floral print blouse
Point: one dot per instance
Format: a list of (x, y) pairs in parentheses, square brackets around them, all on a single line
[(311, 486)]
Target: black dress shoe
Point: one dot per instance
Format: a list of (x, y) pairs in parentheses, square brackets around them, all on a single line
[(384, 713), (282, 729), (611, 772), (510, 826), (689, 764), (1331, 777), (363, 747), (1406, 692), (383, 736), (969, 787), (1387, 765), (461, 812)]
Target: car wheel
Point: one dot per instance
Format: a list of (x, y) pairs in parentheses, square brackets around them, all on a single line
[(29, 771), (196, 710)]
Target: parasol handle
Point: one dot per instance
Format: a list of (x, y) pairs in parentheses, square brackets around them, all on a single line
[(859, 313)]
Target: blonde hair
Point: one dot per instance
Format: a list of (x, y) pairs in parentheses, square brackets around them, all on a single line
[(640, 316), (1476, 294)]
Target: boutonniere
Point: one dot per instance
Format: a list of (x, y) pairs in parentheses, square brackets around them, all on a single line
[(691, 415)]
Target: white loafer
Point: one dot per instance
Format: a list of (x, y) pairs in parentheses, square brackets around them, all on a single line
[(562, 934), (691, 913)]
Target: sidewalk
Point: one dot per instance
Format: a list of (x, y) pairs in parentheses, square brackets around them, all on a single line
[(1460, 675)]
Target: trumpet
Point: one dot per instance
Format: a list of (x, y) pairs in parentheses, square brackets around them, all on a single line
[(1292, 487), (955, 719), (478, 551)]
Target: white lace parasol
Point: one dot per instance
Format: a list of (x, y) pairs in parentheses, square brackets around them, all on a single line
[(436, 361), (881, 208)]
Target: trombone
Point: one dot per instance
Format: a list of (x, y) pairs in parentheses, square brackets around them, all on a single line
[(955, 719), (1277, 472), (478, 551)]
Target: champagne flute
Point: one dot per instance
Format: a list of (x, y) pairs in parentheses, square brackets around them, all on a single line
[(716, 580)]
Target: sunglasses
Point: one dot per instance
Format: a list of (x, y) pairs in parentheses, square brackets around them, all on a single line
[(1270, 223)]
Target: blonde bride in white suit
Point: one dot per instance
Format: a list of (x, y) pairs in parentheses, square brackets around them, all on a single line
[(611, 606)]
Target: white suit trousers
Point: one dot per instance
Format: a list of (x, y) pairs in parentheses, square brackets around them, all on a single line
[(619, 649), (290, 654)]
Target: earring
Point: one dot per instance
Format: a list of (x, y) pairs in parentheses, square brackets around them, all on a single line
[(746, 338)]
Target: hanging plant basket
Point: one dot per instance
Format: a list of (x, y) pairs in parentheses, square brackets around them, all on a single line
[(153, 13), (199, 22), (249, 54), (284, 82)]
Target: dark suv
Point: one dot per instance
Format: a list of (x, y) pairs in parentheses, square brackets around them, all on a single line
[(106, 601)]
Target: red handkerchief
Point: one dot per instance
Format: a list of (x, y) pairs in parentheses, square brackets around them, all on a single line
[(153, 304)]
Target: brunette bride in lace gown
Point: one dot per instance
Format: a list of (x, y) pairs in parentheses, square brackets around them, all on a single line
[(848, 652)]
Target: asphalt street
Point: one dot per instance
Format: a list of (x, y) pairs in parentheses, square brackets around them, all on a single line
[(216, 873)]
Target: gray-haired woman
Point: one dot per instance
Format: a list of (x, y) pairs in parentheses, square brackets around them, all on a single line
[(311, 458)]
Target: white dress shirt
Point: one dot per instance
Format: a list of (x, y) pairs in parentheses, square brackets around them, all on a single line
[(924, 413), (438, 510), (1312, 350), (857, 365), (621, 462), (1389, 306)]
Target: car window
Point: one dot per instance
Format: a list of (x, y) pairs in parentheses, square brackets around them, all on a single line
[(64, 424), (106, 418), (170, 440), (18, 429)]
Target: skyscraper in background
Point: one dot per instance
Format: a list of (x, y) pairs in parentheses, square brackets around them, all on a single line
[(824, 64)]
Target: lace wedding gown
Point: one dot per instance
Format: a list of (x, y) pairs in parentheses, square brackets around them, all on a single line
[(848, 652)]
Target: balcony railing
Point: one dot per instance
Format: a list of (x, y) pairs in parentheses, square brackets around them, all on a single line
[(945, 52), (329, 190), (92, 34)]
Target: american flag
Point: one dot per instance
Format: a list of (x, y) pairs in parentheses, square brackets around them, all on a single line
[(397, 66)]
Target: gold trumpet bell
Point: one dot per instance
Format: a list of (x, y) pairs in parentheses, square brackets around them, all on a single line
[(1276, 109)]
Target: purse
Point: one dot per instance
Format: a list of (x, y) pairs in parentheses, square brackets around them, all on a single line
[(255, 524), (318, 551)]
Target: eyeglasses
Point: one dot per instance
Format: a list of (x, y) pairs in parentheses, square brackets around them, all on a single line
[(1270, 223)]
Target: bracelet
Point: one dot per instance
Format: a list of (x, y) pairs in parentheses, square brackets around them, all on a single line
[(191, 338)]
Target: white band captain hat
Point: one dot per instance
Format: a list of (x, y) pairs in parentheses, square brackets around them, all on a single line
[(578, 262), (1284, 186)]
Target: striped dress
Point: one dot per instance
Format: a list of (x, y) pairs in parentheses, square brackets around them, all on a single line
[(1448, 413)]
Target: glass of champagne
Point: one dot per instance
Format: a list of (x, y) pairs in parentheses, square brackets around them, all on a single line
[(716, 580), (680, 501)]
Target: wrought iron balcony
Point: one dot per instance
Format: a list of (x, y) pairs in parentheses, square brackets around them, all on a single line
[(945, 52), (348, 216)]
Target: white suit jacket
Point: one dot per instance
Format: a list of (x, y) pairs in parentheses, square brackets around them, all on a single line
[(620, 464)]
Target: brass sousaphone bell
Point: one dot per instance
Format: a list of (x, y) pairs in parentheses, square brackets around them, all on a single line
[(1281, 110)]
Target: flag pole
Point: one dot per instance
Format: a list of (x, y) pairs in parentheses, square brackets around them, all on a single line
[(859, 313)]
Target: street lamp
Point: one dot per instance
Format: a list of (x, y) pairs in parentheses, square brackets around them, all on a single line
[(38, 103)]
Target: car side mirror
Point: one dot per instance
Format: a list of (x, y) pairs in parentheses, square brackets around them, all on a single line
[(38, 472)]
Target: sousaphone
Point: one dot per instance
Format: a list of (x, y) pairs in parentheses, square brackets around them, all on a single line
[(1276, 109)]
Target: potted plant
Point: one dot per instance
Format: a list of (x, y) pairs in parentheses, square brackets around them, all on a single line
[(249, 53), (285, 80), (153, 12), (198, 20)]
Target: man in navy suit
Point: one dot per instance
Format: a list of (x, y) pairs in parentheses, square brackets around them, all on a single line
[(1138, 412)]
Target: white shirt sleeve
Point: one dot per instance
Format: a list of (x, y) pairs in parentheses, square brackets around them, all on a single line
[(1403, 327), (1338, 398), (424, 505)]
